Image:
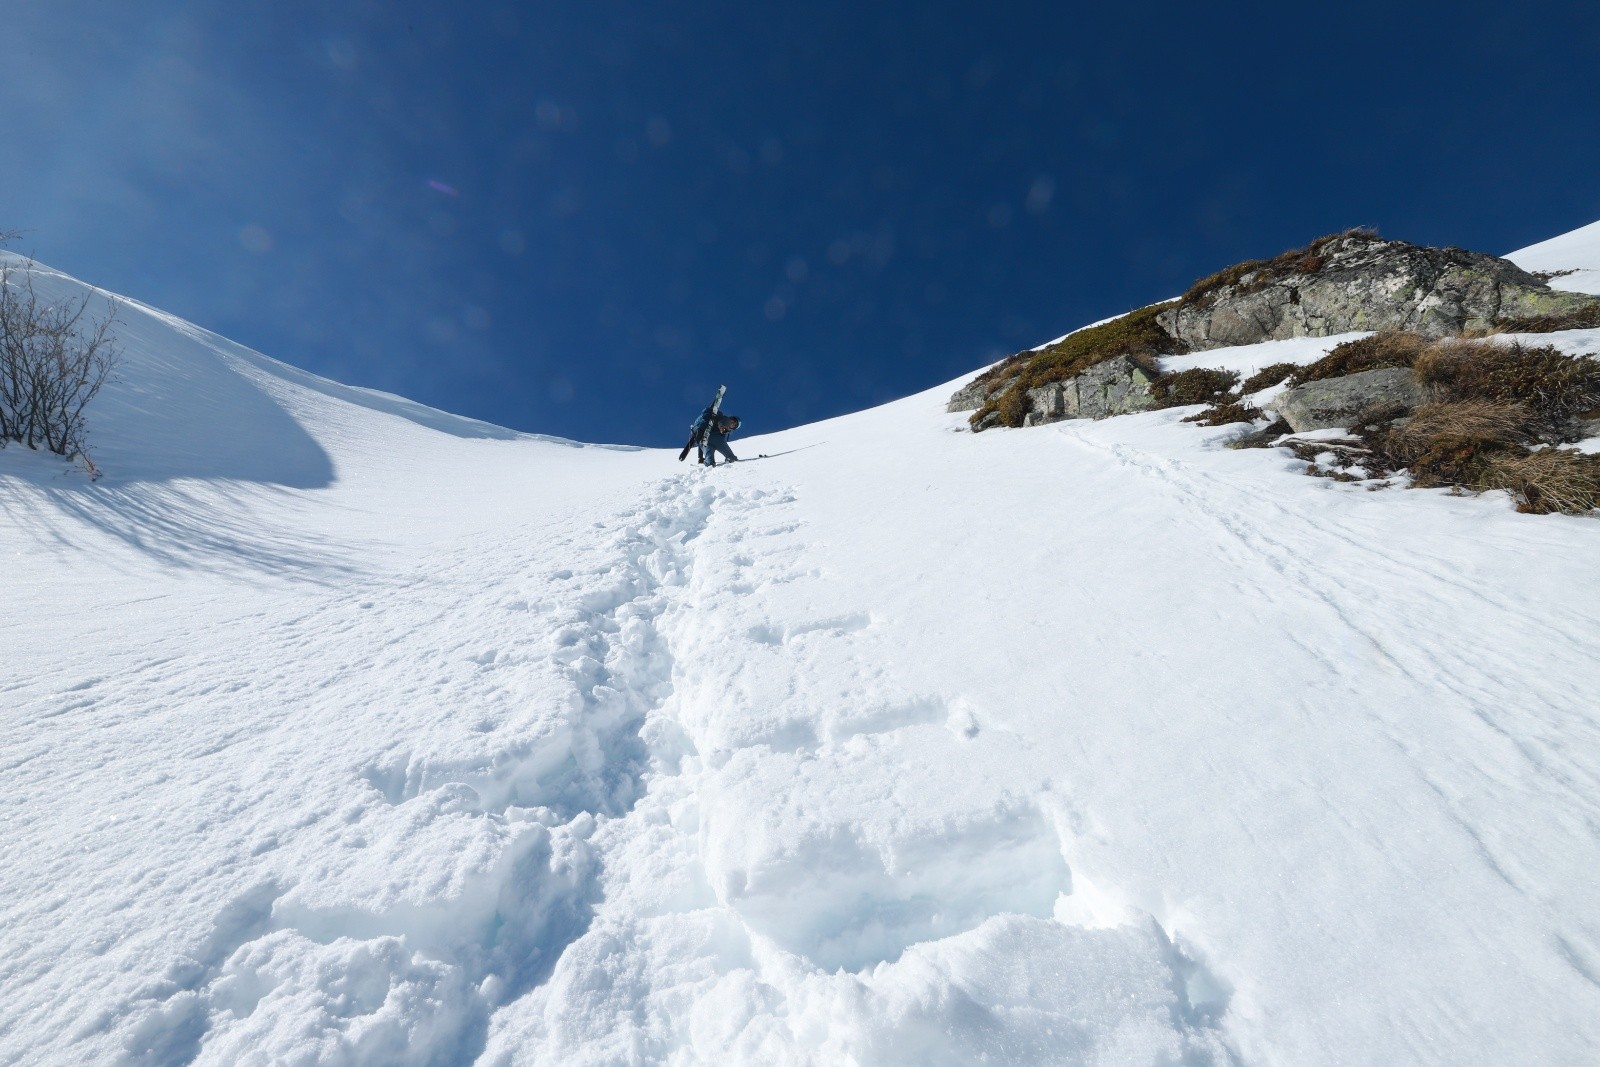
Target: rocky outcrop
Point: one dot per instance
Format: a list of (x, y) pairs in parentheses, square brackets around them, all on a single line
[(1339, 401), (1343, 283), (1357, 281), (972, 396), (1118, 386)]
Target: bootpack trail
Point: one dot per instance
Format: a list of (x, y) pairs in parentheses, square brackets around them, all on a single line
[(358, 733)]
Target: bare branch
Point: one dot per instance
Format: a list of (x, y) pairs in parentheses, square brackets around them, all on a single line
[(54, 359)]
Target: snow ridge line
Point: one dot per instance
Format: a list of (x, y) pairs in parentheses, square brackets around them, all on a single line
[(416, 983)]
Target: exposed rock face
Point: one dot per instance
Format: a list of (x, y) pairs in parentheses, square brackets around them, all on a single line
[(1338, 401), (1347, 282), (1116, 387), (1263, 437), (1359, 282), (971, 397), (1049, 403)]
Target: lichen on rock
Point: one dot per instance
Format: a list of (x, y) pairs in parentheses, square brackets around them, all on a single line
[(1358, 281), (1334, 402)]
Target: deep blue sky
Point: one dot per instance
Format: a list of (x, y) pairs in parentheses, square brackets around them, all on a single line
[(578, 217)]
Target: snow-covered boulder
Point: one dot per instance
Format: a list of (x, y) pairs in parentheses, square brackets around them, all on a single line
[(1358, 281), (1338, 401)]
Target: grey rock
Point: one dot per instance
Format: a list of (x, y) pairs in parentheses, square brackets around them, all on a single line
[(1263, 437), (970, 397), (1337, 401), (1356, 282), (1047, 403), (1116, 387)]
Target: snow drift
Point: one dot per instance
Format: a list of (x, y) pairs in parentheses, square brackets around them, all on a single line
[(340, 730)]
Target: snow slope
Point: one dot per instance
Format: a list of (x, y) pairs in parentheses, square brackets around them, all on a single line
[(1574, 257), (338, 730)]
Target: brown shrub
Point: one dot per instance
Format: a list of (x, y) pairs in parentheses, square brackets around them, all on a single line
[(1390, 348), (1552, 479), (1256, 274), (1136, 335), (1225, 413), (1006, 368), (1553, 385), (1455, 461), (1012, 406), (1202, 385), (1267, 377)]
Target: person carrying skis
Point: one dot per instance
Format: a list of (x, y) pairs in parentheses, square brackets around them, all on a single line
[(697, 435), (717, 429)]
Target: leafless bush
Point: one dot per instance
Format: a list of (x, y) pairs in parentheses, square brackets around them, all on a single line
[(54, 357)]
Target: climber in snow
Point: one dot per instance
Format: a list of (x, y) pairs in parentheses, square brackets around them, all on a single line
[(717, 429), (708, 434)]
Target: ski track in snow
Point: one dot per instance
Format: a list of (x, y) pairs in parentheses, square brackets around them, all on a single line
[(1462, 672)]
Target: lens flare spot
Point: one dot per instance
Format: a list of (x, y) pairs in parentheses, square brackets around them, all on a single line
[(255, 239)]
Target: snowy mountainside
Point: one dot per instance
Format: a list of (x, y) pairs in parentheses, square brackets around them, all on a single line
[(339, 730), (1574, 259)]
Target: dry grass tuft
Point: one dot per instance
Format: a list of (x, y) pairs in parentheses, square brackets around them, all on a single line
[(1012, 406), (1224, 413), (1390, 348), (1267, 377), (1202, 385), (1552, 479), (1485, 422), (1553, 385)]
